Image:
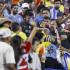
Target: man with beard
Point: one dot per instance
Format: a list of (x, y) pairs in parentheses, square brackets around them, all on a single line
[(14, 16), (55, 12)]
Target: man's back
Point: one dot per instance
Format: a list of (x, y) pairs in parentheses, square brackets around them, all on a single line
[(6, 55)]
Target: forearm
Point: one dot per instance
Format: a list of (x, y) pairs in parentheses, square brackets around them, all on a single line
[(63, 20), (32, 35), (11, 67), (57, 36), (34, 31)]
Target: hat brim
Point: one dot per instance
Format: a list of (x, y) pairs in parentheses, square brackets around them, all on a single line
[(7, 22)]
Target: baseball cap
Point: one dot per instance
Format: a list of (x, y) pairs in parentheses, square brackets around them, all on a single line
[(5, 32), (25, 5), (3, 20)]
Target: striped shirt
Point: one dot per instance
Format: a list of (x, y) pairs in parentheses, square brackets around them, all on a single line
[(53, 13)]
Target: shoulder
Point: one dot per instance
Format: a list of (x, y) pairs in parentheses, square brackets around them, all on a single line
[(21, 33), (5, 46), (3, 43), (51, 8), (26, 44)]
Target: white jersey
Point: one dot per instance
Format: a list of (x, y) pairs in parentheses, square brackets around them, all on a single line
[(6, 55), (35, 65)]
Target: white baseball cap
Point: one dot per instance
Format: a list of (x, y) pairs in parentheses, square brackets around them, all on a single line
[(5, 32), (25, 5)]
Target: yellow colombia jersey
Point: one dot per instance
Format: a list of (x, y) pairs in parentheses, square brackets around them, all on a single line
[(41, 47), (48, 4), (20, 34)]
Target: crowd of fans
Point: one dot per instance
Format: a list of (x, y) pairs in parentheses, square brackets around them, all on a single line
[(35, 35)]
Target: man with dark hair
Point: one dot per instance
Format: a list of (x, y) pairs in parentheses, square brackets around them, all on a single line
[(54, 11), (14, 16), (43, 12), (26, 26)]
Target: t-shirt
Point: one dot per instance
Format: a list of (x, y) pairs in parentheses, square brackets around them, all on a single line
[(41, 47), (26, 28), (51, 51), (35, 62), (67, 60), (23, 62), (64, 60), (6, 55), (55, 13)]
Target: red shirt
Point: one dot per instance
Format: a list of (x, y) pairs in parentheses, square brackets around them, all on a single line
[(23, 63), (26, 46)]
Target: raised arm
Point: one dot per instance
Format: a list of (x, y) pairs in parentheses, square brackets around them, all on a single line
[(34, 31), (30, 38), (56, 31), (60, 21), (63, 20)]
